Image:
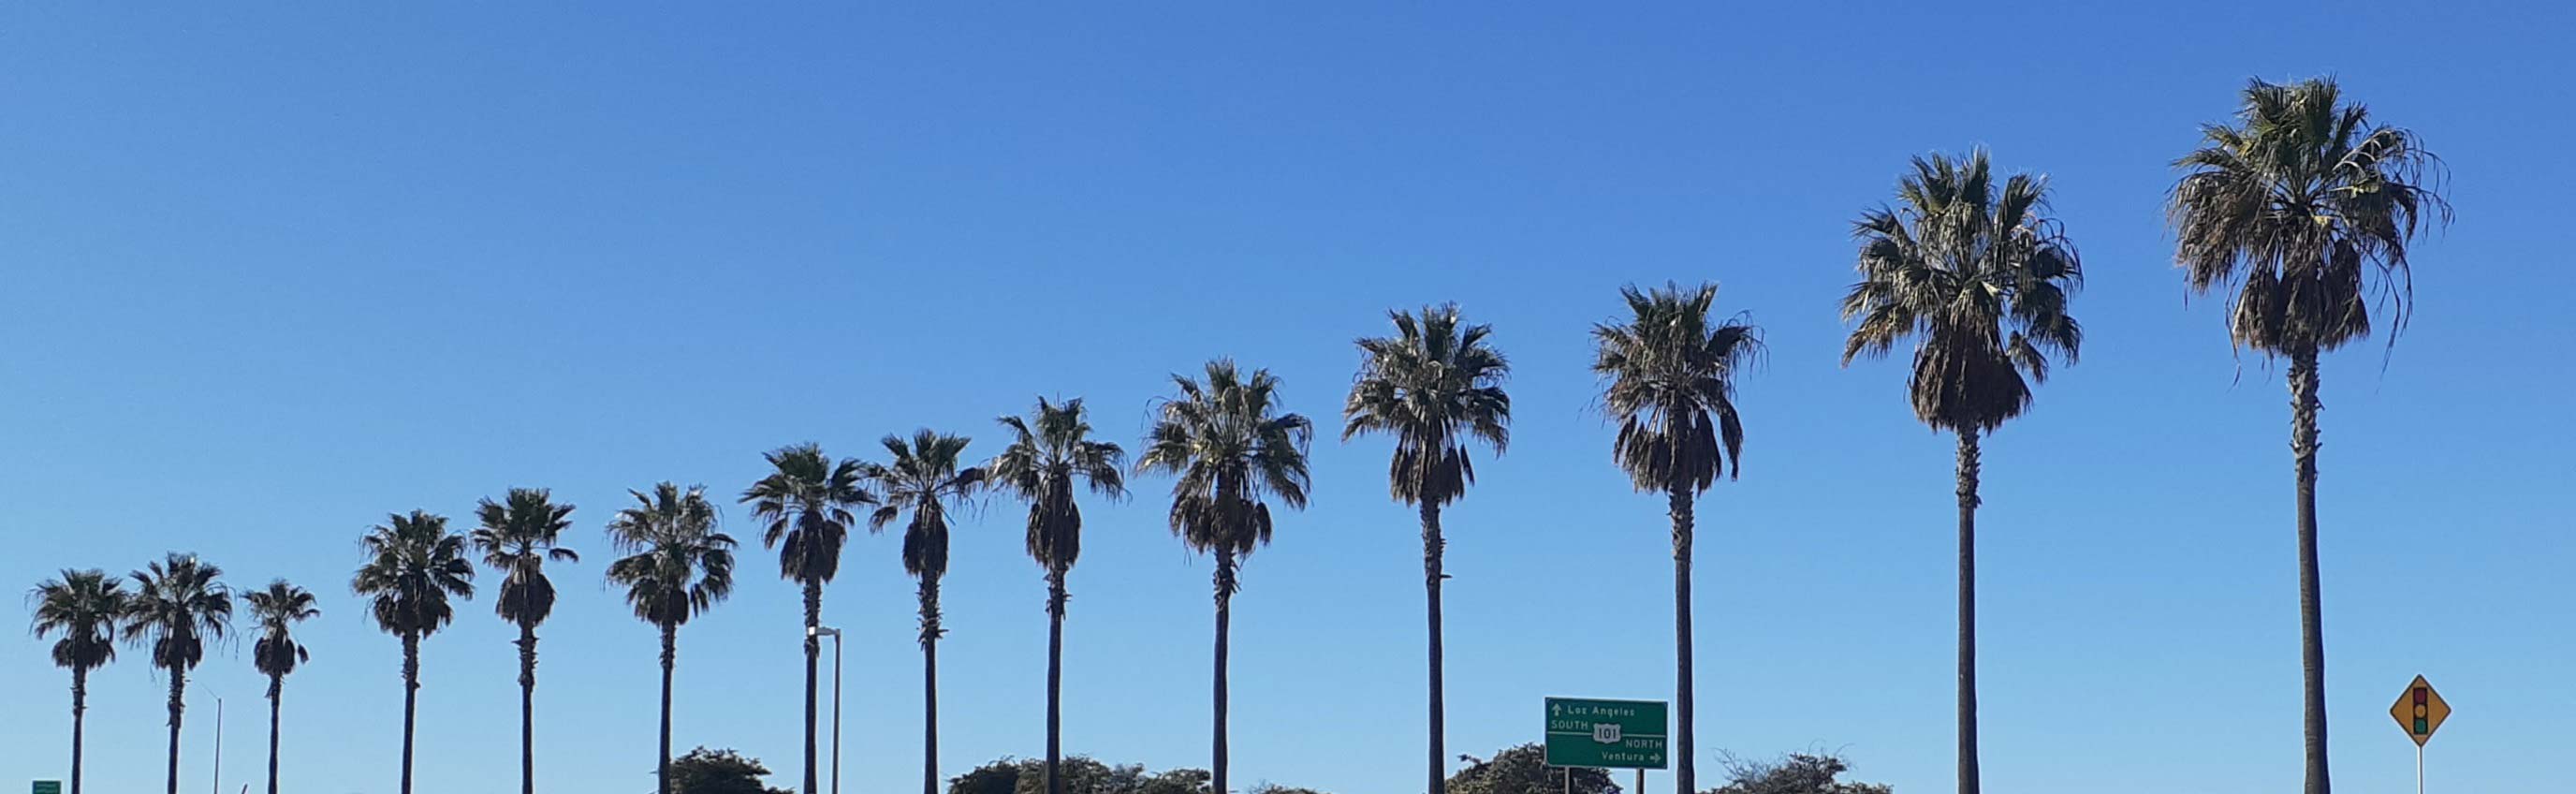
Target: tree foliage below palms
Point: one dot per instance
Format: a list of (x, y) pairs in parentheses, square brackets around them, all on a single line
[(704, 771), (1082, 775), (1434, 385), (1980, 275), (1670, 384), (2307, 208), (1796, 773), (1524, 770)]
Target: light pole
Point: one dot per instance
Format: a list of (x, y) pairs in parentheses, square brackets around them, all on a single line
[(835, 634)]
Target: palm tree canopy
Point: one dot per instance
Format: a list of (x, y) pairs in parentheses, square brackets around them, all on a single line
[(1670, 383), (1980, 275), (178, 605), (1229, 447), (83, 607), (806, 504), (516, 537), (413, 566), (1434, 386), (2307, 208), (678, 564), (922, 478), (1049, 450), (278, 609)]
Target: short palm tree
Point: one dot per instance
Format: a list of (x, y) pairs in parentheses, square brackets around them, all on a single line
[(923, 479), (678, 566), (277, 652), (83, 607), (1228, 446), (806, 502), (1049, 450), (517, 537), (1669, 380), (1436, 386), (178, 605), (1982, 279), (414, 565), (2304, 209)]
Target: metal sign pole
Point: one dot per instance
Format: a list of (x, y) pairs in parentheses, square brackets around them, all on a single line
[(2419, 769), (1641, 781)]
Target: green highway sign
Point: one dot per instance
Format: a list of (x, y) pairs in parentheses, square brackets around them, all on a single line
[(1624, 734), (47, 787)]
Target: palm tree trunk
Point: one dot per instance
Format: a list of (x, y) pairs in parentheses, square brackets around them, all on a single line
[(813, 653), (1969, 467), (178, 702), (1685, 777), (276, 692), (1224, 618), (527, 709), (80, 707), (1432, 546), (670, 659), (1055, 679), (2312, 644), (930, 684), (411, 701)]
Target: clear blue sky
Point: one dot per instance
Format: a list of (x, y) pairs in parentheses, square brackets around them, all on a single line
[(267, 274)]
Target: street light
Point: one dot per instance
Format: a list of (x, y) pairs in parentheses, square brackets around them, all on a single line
[(835, 634)]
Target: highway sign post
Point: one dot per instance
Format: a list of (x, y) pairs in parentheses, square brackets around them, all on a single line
[(1606, 734), (46, 787), (2420, 711)]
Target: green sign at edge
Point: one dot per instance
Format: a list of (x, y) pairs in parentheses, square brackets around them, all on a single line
[(47, 787), (1575, 726)]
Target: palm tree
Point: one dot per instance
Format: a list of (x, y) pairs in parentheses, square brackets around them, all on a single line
[(1983, 278), (2304, 209), (413, 566), (1435, 386), (276, 654), (177, 606), (1669, 379), (517, 538), (83, 607), (1229, 447), (806, 501), (923, 478), (1040, 467), (678, 566)]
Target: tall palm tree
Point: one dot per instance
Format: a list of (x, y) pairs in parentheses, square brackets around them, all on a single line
[(1050, 449), (1229, 447), (1983, 279), (178, 605), (414, 565), (923, 478), (1435, 386), (678, 566), (2304, 209), (517, 537), (277, 652), (806, 501), (83, 607), (1669, 379)]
